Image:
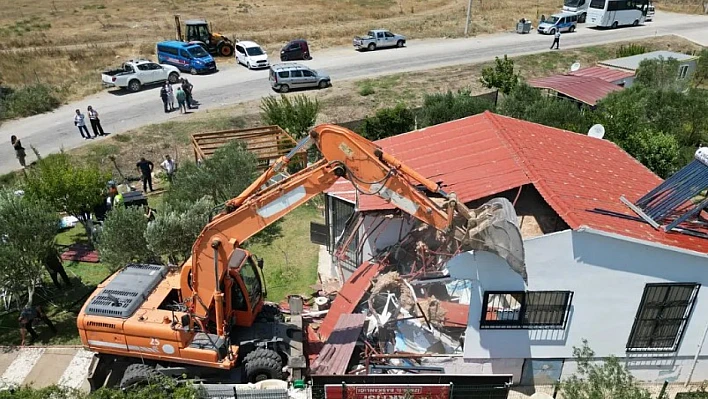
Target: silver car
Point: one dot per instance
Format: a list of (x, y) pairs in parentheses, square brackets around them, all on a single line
[(285, 77)]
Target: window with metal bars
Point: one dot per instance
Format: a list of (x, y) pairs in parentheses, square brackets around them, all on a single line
[(662, 316), (526, 309)]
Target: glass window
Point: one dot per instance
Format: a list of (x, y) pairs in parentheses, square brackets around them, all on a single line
[(308, 74), (599, 4), (283, 74), (683, 71), (254, 51), (143, 67), (388, 34), (197, 52), (296, 74), (184, 54), (252, 281), (526, 310), (154, 66)]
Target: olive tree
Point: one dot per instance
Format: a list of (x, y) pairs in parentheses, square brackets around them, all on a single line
[(296, 114), (176, 227), (28, 228), (121, 239)]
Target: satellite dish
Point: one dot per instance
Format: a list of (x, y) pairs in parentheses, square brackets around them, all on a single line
[(597, 131), (541, 395), (575, 67)]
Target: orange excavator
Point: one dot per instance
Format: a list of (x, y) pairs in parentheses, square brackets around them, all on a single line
[(208, 318)]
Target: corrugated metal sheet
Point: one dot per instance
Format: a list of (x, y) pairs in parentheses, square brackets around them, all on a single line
[(607, 74), (586, 89), (337, 351), (486, 154)]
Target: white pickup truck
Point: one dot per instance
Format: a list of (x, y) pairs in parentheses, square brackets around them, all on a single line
[(379, 38), (134, 74)]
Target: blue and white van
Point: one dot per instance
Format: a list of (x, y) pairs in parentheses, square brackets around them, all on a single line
[(563, 22), (189, 57)]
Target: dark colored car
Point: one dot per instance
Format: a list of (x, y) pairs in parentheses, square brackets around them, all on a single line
[(295, 50)]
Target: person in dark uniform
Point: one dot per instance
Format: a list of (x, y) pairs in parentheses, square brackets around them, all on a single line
[(19, 150), (145, 167), (55, 268)]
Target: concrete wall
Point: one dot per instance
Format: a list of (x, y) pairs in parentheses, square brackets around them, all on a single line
[(607, 276)]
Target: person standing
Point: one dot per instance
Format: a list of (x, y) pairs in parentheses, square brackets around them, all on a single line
[(19, 150), (181, 98), (168, 165), (187, 87), (145, 167), (80, 122), (55, 268), (95, 122), (556, 39), (163, 96), (170, 95)]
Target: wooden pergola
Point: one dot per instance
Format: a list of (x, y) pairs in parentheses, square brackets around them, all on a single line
[(268, 143)]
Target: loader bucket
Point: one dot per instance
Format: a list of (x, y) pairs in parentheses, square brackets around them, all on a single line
[(493, 227)]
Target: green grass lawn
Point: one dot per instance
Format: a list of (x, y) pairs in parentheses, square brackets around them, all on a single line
[(290, 261)]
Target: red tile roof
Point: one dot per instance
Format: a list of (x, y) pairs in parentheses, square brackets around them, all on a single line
[(586, 89), (487, 154), (607, 74)]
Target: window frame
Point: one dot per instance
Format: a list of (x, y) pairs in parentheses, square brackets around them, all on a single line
[(632, 347), (522, 322), (683, 71)]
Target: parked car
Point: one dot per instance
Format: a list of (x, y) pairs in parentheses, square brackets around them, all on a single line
[(190, 57), (135, 74), (251, 55), (295, 50), (284, 77), (564, 22), (379, 38)]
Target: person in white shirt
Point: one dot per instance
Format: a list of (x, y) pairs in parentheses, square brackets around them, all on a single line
[(168, 165), (556, 39), (170, 96), (80, 122), (95, 122)]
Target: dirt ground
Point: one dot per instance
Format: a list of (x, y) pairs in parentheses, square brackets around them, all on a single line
[(349, 102)]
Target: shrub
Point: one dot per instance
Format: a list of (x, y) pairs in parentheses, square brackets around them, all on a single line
[(388, 122), (630, 50), (444, 107), (501, 77), (122, 238), (29, 100)]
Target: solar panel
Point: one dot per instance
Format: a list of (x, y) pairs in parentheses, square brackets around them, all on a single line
[(679, 199)]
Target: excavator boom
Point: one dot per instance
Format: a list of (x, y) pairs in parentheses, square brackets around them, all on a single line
[(372, 172)]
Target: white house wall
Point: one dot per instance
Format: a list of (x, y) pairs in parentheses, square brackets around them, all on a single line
[(379, 232), (607, 276)]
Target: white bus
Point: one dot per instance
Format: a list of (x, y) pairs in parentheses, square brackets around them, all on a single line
[(614, 13)]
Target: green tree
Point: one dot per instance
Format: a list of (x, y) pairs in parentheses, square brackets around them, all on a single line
[(388, 122), (444, 107), (28, 228), (608, 380), (660, 152), (528, 103), (221, 177), (700, 76), (176, 227), (623, 113), (501, 76), (66, 186), (296, 114), (121, 239), (660, 74)]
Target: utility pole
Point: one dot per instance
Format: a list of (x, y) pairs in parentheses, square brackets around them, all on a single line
[(469, 15)]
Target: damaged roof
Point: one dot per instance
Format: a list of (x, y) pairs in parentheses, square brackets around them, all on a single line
[(586, 89), (486, 154)]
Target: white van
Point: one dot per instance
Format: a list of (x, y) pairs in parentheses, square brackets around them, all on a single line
[(251, 55), (564, 22)]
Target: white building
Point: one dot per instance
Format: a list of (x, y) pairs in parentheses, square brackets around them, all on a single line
[(595, 271)]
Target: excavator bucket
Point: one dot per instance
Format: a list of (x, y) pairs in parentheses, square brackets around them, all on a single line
[(493, 227)]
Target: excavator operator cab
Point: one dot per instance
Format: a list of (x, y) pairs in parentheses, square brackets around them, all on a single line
[(244, 287)]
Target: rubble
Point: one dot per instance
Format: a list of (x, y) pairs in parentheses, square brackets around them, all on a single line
[(413, 310)]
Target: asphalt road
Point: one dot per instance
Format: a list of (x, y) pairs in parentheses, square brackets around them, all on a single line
[(120, 112)]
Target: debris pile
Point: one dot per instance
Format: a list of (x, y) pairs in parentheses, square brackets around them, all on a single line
[(393, 312)]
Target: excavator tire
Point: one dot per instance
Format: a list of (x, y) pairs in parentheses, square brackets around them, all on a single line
[(138, 374), (270, 313), (263, 364)]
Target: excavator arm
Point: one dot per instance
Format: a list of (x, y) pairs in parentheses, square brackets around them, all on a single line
[(372, 172)]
